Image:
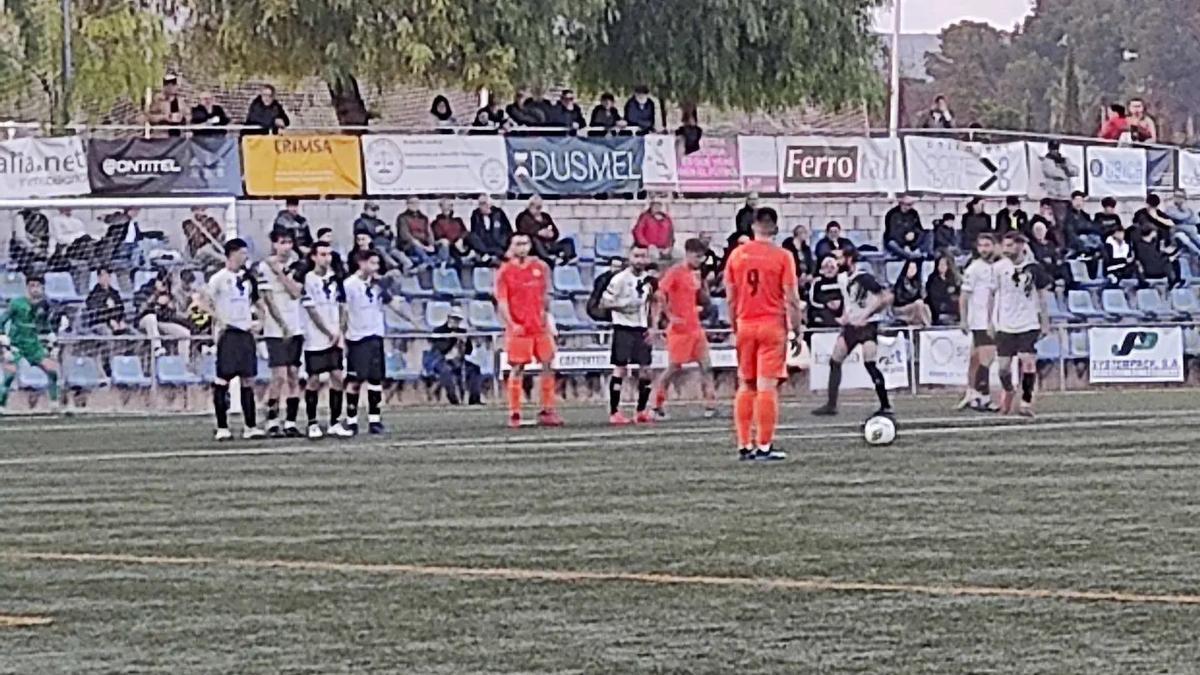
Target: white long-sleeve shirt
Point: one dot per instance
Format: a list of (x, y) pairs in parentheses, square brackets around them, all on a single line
[(66, 230)]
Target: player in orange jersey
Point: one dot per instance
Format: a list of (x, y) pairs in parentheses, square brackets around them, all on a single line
[(680, 296), (522, 285), (760, 279)]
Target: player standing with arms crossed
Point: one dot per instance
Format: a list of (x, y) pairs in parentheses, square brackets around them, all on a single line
[(522, 285), (231, 296), (1021, 319), (280, 295), (976, 306), (323, 342), (680, 297), (760, 280)]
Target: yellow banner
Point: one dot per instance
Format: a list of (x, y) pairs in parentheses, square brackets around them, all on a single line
[(302, 165)]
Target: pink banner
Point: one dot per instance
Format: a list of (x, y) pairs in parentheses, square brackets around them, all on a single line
[(713, 168)]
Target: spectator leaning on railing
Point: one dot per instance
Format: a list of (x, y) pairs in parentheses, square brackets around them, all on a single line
[(939, 116), (1116, 124), (207, 113), (1141, 125), (903, 235), (443, 116), (522, 112), (606, 116), (567, 113), (639, 110), (168, 108), (267, 114)]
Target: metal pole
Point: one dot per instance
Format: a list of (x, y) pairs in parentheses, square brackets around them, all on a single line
[(68, 67), (894, 98)]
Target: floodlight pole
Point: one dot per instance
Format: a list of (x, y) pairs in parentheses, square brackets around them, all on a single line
[(68, 67), (894, 98)]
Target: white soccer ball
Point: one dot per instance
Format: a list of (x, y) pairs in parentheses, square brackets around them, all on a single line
[(879, 430)]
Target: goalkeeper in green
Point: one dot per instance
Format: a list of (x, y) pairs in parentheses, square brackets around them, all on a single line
[(25, 325)]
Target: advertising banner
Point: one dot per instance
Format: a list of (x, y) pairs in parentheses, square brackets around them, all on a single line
[(660, 169), (1160, 168), (1189, 172), (577, 360), (831, 164), (756, 155), (892, 360), (715, 167), (1037, 179), (569, 165), (302, 165), (150, 166), (1135, 354), (1116, 172), (944, 357), (43, 167), (435, 164), (947, 166)]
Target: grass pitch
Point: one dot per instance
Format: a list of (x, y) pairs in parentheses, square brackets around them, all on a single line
[(1065, 545)]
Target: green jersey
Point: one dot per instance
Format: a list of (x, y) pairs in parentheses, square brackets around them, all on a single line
[(25, 323)]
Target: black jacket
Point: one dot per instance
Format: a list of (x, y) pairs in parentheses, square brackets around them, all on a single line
[(490, 234), (444, 345), (375, 227), (942, 295), (640, 115), (263, 115), (1006, 218), (215, 118), (907, 291), (296, 225), (743, 221), (1151, 257), (824, 303), (897, 225), (605, 117), (526, 114), (103, 305), (803, 256), (825, 247), (1053, 235), (945, 236), (973, 225), (1048, 256), (571, 119), (1107, 222)]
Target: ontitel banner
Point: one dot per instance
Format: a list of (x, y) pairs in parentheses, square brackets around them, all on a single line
[(947, 166), (570, 165), (43, 167), (435, 164), (148, 166), (833, 164), (1116, 172), (302, 165), (1135, 354), (892, 359)]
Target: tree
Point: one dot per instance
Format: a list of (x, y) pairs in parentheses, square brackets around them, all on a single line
[(1070, 121), (969, 70), (117, 52)]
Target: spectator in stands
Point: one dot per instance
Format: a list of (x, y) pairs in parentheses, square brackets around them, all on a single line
[(1166, 227), (450, 362), (523, 113), (336, 264), (802, 254), (655, 231), (105, 309), (567, 112), (443, 116), (158, 316), (547, 245), (606, 116), (1057, 172), (1084, 238), (639, 110), (495, 113), (710, 266), (190, 296), (909, 304), (482, 125), (69, 238), (1045, 217), (1187, 223), (490, 232), (29, 246), (1044, 249), (1012, 218), (744, 219), (1119, 261), (414, 236), (945, 236), (1108, 219), (942, 291), (118, 248), (974, 223), (291, 221), (1116, 124), (1141, 125), (383, 239), (825, 297), (689, 133), (167, 108), (1154, 257), (207, 113), (389, 274), (939, 116), (450, 232), (205, 238), (266, 113), (903, 235), (831, 242)]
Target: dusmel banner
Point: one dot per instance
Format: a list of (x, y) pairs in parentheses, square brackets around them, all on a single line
[(150, 166), (43, 167), (435, 163), (569, 165), (1135, 354), (834, 164)]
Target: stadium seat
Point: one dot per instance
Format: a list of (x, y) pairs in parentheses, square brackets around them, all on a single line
[(1114, 302), (1049, 348), (410, 287), (262, 373), (568, 283), (446, 284), (1077, 345), (83, 372), (483, 279), (207, 368), (1080, 304), (866, 242), (396, 368), (1183, 301), (608, 246), (172, 371), (31, 377), (1151, 303), (1056, 312), (12, 285), (1191, 342), (1082, 277), (564, 315), (114, 280), (142, 277), (1187, 273), (61, 288), (393, 323), (436, 312), (481, 314), (892, 271), (127, 372), (484, 358)]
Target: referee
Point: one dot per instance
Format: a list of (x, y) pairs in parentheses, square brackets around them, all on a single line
[(231, 295)]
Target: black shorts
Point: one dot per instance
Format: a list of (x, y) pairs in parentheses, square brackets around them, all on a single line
[(284, 352), (237, 356), (1011, 344), (630, 348), (982, 338), (854, 336), (324, 361), (364, 359)]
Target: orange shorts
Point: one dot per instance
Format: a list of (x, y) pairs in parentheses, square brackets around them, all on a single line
[(525, 349), (761, 350), (687, 347)]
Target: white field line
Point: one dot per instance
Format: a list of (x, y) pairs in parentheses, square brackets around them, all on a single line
[(23, 621)]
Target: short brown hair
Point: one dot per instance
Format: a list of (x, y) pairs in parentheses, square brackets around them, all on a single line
[(1017, 238)]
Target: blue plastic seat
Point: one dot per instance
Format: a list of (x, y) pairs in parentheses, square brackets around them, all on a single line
[(481, 314), (1055, 310), (436, 312), (446, 284), (173, 371), (1184, 301), (31, 377), (207, 368), (83, 372), (1114, 302), (568, 282), (564, 315), (1191, 342), (1049, 348), (892, 271), (1077, 345), (127, 372), (484, 280), (1083, 277), (1187, 271), (396, 368), (1150, 302), (867, 244), (12, 285), (393, 323), (608, 246), (1080, 304), (60, 287), (410, 287), (142, 277)]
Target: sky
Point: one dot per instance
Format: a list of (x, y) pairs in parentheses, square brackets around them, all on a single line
[(931, 16)]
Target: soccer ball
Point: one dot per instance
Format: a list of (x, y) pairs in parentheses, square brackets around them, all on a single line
[(879, 430)]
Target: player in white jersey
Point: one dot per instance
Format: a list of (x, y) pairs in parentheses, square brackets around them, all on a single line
[(363, 328), (230, 298), (863, 298), (1021, 318), (630, 294), (976, 307), (280, 290), (322, 301)]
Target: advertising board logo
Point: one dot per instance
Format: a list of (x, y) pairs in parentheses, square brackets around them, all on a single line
[(118, 168), (385, 161), (1135, 341), (588, 166), (303, 146), (821, 164)]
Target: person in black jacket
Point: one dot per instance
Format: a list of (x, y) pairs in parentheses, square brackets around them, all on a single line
[(903, 236), (1045, 250), (797, 245), (824, 298), (606, 119), (942, 291), (1011, 218), (1107, 219), (450, 362), (490, 232), (831, 242), (266, 113), (974, 223), (523, 113), (909, 296), (105, 309), (207, 113), (567, 112), (1045, 218), (945, 237), (639, 110), (1084, 237), (290, 220), (1155, 258), (1119, 261)]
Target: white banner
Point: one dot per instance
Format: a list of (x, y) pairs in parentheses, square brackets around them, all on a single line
[(945, 357), (435, 163), (1189, 172), (832, 164), (723, 358), (1116, 172), (43, 167), (892, 360), (1037, 179), (948, 166), (756, 158), (660, 170), (1135, 354)]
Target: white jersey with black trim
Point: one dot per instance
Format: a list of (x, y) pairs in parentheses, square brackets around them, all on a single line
[(979, 283), (858, 294), (287, 306), (1018, 295), (323, 296), (233, 296), (365, 300)]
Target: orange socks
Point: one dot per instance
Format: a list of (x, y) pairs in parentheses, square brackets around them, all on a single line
[(743, 415), (660, 397), (548, 391), (514, 394), (766, 415)]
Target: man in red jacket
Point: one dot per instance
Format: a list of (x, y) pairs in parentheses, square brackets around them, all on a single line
[(1116, 124), (654, 230)]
